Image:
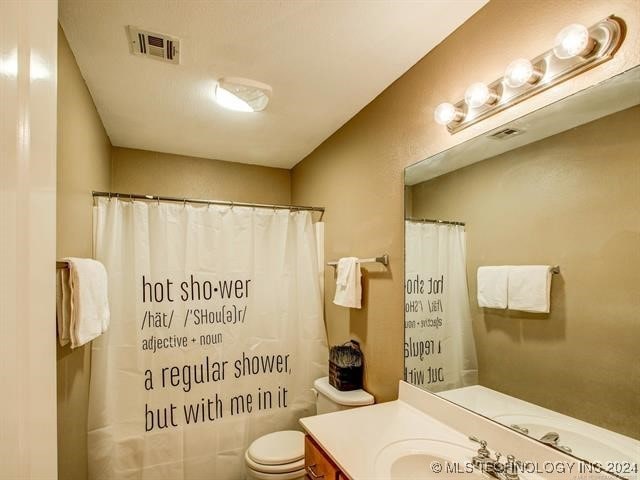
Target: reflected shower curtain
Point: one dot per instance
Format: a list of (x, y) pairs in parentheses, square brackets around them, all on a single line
[(439, 349), (216, 337)]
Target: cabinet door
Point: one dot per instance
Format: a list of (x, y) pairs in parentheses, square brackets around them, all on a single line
[(317, 463)]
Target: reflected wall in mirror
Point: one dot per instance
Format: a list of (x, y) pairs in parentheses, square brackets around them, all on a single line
[(558, 187)]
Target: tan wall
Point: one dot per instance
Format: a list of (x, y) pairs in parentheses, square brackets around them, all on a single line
[(141, 171), (357, 172), (571, 199), (84, 158)]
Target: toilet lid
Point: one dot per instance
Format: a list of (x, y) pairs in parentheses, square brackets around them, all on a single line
[(277, 448)]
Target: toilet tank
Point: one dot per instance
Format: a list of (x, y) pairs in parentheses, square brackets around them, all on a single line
[(330, 399)]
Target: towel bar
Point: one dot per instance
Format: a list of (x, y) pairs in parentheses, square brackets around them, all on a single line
[(384, 259)]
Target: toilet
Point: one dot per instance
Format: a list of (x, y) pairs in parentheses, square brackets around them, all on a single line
[(280, 455)]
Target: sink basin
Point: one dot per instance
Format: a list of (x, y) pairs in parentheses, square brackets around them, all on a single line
[(423, 459), (581, 445)]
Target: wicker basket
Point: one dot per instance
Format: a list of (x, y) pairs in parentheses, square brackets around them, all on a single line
[(346, 377)]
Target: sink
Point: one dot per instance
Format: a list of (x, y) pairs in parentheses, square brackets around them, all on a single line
[(604, 452), (424, 459)]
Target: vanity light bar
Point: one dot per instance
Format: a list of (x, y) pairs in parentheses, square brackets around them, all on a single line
[(576, 50)]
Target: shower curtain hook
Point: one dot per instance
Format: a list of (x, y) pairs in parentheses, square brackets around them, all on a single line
[(158, 199), (184, 203), (232, 205), (109, 197)]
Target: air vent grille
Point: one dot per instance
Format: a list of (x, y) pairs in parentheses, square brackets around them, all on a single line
[(506, 133), (154, 45)]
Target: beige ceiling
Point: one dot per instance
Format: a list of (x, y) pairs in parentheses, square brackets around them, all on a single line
[(324, 59)]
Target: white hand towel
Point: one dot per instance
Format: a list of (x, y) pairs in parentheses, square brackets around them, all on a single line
[(89, 300), (530, 288), (492, 286), (348, 283), (63, 305)]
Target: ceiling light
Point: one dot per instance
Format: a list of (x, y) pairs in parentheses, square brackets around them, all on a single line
[(242, 95), (478, 94), (521, 72), (446, 113), (573, 41)]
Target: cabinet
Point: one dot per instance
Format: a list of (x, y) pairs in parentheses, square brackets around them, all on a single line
[(318, 464)]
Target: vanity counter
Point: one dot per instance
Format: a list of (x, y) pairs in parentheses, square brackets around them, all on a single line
[(421, 435), (354, 439)]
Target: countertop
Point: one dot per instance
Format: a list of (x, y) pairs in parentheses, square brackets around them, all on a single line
[(353, 438)]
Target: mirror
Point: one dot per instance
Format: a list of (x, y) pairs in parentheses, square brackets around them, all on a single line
[(552, 201)]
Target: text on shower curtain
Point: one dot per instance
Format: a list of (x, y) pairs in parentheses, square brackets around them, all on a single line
[(181, 314)]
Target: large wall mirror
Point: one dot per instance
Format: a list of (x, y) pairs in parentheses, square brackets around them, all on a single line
[(523, 274)]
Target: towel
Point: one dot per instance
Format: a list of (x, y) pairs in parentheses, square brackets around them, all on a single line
[(348, 283), (89, 302), (492, 286), (63, 305), (530, 288)]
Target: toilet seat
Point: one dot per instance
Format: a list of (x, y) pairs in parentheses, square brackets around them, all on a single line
[(277, 456), (293, 467), (276, 449)]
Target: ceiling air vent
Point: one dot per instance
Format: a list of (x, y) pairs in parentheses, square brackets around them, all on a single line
[(506, 133), (154, 45)]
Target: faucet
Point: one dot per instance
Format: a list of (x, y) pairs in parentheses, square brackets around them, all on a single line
[(520, 429), (492, 466), (552, 439)]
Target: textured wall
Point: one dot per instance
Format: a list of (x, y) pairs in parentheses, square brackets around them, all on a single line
[(84, 159), (141, 171), (571, 199), (357, 172)]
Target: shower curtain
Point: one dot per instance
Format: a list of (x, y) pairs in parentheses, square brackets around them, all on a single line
[(216, 336), (439, 348)]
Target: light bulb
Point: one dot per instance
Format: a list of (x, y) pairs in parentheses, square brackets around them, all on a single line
[(445, 113), (573, 41), (241, 94), (478, 94), (228, 100), (520, 72)]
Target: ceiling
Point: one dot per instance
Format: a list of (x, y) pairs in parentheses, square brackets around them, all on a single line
[(325, 61)]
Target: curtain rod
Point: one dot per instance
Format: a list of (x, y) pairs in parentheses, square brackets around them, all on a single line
[(158, 198), (429, 220)]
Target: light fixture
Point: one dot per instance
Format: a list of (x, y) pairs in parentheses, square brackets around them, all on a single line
[(576, 49), (479, 94), (521, 72), (241, 94), (573, 41), (446, 113)]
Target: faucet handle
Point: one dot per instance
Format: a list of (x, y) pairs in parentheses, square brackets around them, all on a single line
[(483, 452), (482, 443)]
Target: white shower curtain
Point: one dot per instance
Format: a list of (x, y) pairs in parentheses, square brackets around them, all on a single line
[(216, 337), (440, 351)]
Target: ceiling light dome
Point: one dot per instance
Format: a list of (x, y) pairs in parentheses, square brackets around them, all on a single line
[(242, 94)]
